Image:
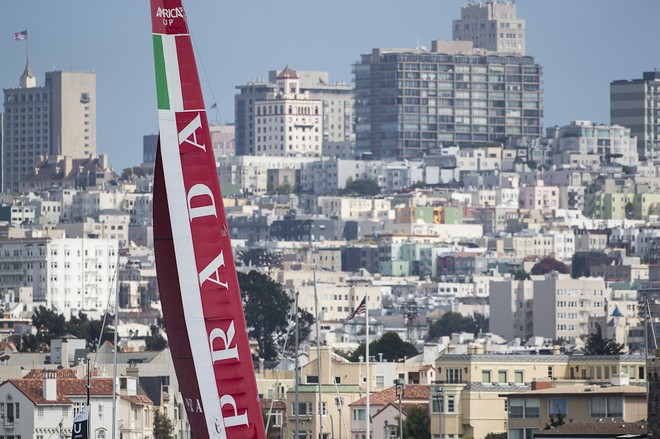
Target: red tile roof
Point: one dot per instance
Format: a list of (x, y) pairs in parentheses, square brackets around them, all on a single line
[(411, 392), (38, 374), (136, 399), (33, 389)]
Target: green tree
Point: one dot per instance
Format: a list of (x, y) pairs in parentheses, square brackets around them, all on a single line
[(502, 435), (599, 345), (163, 427), (260, 257), (521, 275), (555, 421), (267, 311), (364, 186), (453, 322), (390, 345), (155, 341), (547, 265), (417, 424)]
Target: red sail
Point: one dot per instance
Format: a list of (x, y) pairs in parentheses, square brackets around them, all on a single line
[(197, 279)]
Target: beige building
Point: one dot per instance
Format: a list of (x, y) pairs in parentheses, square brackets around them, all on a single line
[(58, 118), (491, 25), (473, 384), (288, 122), (531, 411)]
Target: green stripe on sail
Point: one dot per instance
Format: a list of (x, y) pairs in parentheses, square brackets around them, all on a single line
[(161, 75)]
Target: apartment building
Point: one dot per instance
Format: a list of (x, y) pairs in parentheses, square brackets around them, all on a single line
[(636, 104), (58, 118), (476, 383), (412, 101)]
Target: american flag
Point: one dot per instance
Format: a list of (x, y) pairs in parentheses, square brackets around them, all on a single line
[(362, 307), (19, 36)]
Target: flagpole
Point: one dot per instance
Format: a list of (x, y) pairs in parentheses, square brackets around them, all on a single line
[(366, 309)]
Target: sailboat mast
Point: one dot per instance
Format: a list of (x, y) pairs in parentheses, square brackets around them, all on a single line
[(297, 371), (318, 354)]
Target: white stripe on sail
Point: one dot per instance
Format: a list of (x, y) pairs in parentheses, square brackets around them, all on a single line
[(172, 71), (187, 270)]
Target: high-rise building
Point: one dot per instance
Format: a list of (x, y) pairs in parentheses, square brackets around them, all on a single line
[(410, 101), (336, 109), (149, 148), (636, 104), (58, 118), (492, 25)]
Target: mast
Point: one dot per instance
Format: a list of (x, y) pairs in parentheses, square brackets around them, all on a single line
[(318, 354), (366, 318), (297, 371), (197, 281)]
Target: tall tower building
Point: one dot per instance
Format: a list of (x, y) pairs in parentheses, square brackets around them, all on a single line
[(58, 118), (409, 101), (336, 108), (636, 104), (491, 25)]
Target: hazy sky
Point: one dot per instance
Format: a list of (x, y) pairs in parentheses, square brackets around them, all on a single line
[(581, 44)]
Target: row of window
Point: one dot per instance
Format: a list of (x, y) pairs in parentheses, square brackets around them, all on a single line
[(599, 407)]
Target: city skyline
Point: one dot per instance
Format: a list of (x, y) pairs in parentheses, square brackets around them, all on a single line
[(580, 56)]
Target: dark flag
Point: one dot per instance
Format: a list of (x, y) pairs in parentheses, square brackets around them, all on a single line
[(362, 307), (80, 424), (19, 36)]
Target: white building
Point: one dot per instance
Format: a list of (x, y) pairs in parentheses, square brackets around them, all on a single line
[(608, 143), (491, 25), (288, 122)]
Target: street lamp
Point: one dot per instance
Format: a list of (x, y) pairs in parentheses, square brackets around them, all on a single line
[(398, 383), (439, 403)]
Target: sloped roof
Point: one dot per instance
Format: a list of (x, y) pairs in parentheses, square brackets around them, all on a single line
[(38, 374), (136, 399), (411, 392), (288, 73), (33, 389)]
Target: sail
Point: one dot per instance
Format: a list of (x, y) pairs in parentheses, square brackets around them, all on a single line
[(197, 279)]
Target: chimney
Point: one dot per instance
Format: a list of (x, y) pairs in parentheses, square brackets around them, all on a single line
[(68, 165), (64, 353), (50, 385), (538, 385)]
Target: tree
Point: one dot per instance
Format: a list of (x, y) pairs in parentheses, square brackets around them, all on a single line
[(521, 275), (555, 421), (497, 435), (155, 341), (390, 345), (547, 265), (417, 424), (599, 345), (363, 186), (260, 257), (267, 311), (163, 427), (453, 322)]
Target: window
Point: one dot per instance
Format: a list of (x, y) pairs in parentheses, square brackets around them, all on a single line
[(606, 407), (380, 381), (518, 377), (522, 433), (502, 376), (557, 406), (524, 408), (451, 404), (312, 379), (550, 371), (304, 409), (10, 412), (324, 408), (454, 376), (485, 376), (359, 414)]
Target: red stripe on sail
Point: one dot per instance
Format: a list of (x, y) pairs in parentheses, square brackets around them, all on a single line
[(190, 87), (171, 301)]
